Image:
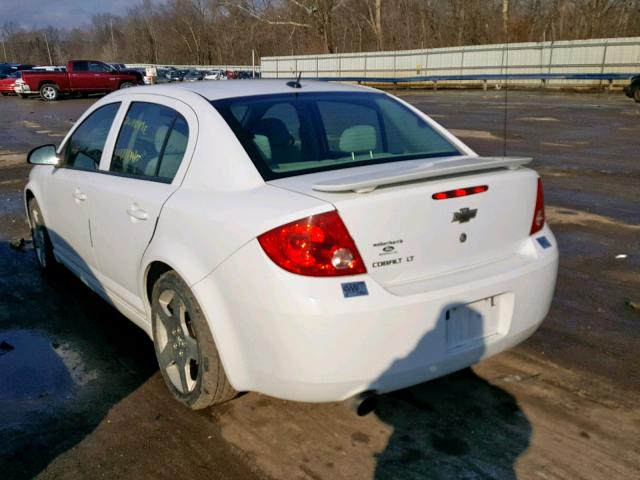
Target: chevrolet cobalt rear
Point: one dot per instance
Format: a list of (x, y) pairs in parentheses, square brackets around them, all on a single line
[(304, 240)]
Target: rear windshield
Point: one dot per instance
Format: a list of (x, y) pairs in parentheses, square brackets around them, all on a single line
[(292, 134)]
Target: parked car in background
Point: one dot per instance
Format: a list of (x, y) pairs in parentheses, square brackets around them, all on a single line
[(82, 77), (122, 68), (7, 84), (633, 89), (308, 243), (215, 75), (164, 75), (176, 75), (193, 76), (8, 68)]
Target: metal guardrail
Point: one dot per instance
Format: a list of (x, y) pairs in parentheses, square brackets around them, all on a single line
[(485, 78), (497, 76)]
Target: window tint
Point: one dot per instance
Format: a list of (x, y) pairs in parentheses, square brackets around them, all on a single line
[(151, 142), (337, 120), (291, 134), (98, 67), (80, 66), (276, 134), (174, 149), (84, 148)]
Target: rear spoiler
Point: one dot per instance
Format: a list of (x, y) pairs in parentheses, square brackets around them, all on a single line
[(367, 182)]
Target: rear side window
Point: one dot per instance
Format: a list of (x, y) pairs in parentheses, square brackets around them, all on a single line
[(337, 120), (84, 148), (294, 134), (151, 142)]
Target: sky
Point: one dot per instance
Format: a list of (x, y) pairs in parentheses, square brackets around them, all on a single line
[(60, 13)]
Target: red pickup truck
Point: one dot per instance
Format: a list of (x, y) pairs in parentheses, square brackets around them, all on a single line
[(82, 76)]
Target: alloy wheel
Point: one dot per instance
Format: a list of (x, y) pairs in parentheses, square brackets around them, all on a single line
[(49, 92), (179, 354)]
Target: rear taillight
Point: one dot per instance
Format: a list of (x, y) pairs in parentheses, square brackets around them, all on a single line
[(538, 213), (317, 246)]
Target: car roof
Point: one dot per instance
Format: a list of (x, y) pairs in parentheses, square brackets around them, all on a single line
[(233, 89)]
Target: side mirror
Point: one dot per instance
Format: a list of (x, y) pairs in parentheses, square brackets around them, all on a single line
[(44, 155)]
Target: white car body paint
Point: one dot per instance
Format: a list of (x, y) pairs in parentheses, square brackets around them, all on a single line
[(292, 336)]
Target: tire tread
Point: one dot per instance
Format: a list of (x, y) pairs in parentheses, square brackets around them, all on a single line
[(213, 386)]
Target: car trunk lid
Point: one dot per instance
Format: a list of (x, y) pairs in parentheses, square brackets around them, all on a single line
[(404, 234)]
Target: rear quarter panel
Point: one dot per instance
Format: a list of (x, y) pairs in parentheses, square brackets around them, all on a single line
[(197, 230), (222, 202)]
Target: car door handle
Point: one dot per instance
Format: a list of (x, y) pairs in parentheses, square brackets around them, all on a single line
[(136, 213), (79, 195)]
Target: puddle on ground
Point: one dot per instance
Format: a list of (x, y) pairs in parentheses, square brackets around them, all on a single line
[(36, 374), (12, 214)]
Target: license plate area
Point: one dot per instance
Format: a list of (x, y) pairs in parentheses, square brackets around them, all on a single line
[(471, 324)]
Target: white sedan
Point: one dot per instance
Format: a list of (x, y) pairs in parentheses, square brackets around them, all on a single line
[(309, 241)]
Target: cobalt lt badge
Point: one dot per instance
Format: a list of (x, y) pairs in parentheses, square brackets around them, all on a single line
[(464, 215)]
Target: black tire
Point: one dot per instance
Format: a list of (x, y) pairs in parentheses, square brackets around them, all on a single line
[(636, 94), (181, 333), (4, 94), (42, 246), (49, 92), (127, 85)]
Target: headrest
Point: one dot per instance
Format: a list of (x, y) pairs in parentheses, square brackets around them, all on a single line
[(275, 130), (359, 138)]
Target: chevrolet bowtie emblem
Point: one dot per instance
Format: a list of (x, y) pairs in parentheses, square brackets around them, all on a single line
[(464, 215)]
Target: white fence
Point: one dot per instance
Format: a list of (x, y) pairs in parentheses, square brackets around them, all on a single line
[(533, 60)]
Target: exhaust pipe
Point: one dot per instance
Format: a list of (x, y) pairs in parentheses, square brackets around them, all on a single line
[(364, 403)]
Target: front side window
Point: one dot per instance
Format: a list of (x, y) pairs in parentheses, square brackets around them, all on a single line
[(151, 142), (292, 134), (98, 67), (84, 148)]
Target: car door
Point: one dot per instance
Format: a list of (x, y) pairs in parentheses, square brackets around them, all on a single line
[(67, 199), (80, 78), (104, 77), (148, 160)]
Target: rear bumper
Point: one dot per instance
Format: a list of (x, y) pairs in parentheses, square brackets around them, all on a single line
[(22, 89), (299, 338)]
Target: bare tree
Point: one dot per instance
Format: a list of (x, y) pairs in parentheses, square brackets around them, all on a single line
[(226, 31)]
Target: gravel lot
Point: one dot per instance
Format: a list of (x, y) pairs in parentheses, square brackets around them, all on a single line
[(81, 397)]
